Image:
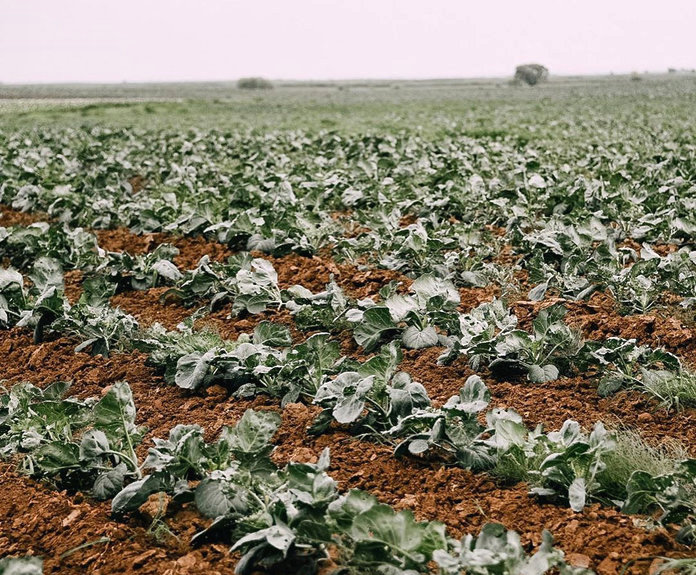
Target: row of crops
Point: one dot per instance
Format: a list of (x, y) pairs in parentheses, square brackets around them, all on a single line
[(548, 225)]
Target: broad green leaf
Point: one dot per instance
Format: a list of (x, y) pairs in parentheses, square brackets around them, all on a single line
[(192, 369), (56, 456), (167, 270), (473, 397), (415, 338), (542, 374), (399, 531), (114, 414), (610, 384), (10, 279), (109, 483), (94, 443), (273, 334), (211, 498), (46, 273), (252, 433), (577, 494), (278, 536), (347, 392), (537, 293), (375, 324), (400, 306), (427, 287), (138, 492)]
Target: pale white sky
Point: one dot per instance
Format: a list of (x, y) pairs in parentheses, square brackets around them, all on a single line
[(143, 40)]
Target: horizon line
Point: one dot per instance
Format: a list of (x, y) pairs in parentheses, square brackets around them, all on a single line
[(342, 79)]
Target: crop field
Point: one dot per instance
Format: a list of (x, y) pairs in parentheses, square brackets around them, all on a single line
[(372, 328)]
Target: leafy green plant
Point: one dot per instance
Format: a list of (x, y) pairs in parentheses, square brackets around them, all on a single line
[(205, 281), (195, 360), (632, 453), (43, 306), (452, 432), (572, 463), (564, 464), (496, 550), (257, 287), (141, 272), (13, 298), (82, 445), (31, 417), (634, 288), (251, 284), (101, 329), (325, 310), (301, 372), (415, 316), (44, 301), (672, 494), (73, 248), (224, 466), (623, 363), (674, 390), (488, 336), (374, 397)]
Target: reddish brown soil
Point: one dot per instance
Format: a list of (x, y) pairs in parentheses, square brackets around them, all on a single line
[(315, 272), (660, 249), (38, 520), (507, 257), (598, 319), (464, 501), (461, 499), (137, 183), (73, 285), (472, 297), (442, 382), (148, 308), (122, 240), (10, 217), (407, 220), (190, 249)]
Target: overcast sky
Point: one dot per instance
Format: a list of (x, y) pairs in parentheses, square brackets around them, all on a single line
[(143, 40)]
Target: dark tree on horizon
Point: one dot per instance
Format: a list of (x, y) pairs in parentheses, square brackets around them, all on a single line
[(531, 74)]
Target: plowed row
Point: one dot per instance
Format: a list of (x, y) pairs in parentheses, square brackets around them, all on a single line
[(75, 534)]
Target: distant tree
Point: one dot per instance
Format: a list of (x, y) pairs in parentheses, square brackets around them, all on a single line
[(531, 74), (254, 84)]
